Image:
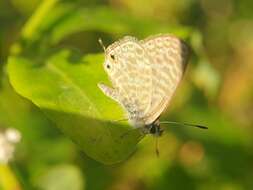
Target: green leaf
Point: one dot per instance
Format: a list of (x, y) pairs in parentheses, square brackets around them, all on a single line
[(110, 21), (54, 21), (64, 86), (71, 178)]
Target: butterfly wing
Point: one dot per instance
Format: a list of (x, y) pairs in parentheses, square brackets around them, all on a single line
[(130, 73), (169, 58)]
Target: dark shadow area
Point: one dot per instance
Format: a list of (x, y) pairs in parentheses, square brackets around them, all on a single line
[(105, 141)]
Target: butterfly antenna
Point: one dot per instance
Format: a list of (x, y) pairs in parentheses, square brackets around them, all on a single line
[(101, 43), (156, 142), (184, 124), (156, 146)]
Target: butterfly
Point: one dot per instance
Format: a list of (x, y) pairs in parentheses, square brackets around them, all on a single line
[(144, 76)]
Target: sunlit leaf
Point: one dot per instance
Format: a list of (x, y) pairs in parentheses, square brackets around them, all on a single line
[(65, 88)]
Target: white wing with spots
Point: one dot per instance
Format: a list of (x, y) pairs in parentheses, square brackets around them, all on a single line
[(129, 69), (169, 58)]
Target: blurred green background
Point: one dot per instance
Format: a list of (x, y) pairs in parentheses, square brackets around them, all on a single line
[(217, 91)]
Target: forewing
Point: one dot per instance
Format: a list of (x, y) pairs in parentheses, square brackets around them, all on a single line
[(169, 58), (132, 76)]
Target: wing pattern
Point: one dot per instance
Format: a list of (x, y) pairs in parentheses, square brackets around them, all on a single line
[(169, 58), (144, 74)]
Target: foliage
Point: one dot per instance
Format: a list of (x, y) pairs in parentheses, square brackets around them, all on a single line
[(51, 63)]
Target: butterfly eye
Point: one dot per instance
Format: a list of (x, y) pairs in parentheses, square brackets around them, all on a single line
[(112, 56), (108, 66)]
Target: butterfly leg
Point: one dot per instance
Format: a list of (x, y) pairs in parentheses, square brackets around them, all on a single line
[(108, 91)]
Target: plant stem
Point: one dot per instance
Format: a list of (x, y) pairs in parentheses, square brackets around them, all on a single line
[(8, 180)]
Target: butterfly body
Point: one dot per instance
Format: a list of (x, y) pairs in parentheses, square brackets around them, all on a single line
[(144, 75), (153, 128)]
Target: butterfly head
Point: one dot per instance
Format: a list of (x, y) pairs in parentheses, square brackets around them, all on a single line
[(155, 129)]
